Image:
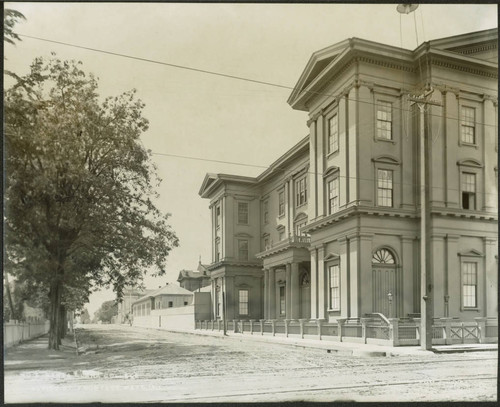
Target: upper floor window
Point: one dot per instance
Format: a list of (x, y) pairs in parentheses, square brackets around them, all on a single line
[(265, 211), (333, 134), (468, 125), (334, 287), (243, 302), (170, 304), (384, 120), (300, 191), (217, 250), (243, 213), (384, 188), (281, 203), (333, 196), (281, 234), (469, 284), (217, 216), (243, 249), (468, 191)]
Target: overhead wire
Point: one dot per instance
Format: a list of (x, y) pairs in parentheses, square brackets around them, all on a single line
[(266, 83), (408, 111)]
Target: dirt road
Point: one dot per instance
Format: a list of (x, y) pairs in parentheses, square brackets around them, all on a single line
[(125, 364)]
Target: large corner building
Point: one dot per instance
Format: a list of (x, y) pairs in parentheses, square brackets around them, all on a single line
[(332, 229)]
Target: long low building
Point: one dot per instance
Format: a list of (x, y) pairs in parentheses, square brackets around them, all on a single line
[(169, 296)]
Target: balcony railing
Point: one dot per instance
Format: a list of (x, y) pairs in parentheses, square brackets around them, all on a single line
[(296, 241)]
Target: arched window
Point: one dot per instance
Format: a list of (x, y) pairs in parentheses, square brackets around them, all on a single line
[(383, 256)]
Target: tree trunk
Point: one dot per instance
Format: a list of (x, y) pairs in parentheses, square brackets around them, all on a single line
[(55, 314), (63, 321), (9, 296)]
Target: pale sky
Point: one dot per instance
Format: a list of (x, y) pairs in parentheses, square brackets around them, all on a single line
[(205, 116)]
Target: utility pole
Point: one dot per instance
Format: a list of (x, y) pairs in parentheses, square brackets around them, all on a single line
[(426, 307)]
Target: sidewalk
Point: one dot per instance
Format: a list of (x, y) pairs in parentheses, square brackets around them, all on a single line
[(344, 348)]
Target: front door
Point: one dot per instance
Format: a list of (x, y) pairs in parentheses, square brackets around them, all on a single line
[(385, 284)]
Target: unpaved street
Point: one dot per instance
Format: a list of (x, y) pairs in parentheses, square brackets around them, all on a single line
[(125, 364)]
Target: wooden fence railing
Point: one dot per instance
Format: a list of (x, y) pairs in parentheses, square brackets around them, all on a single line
[(374, 329)]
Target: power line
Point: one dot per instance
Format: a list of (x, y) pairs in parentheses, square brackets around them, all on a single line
[(294, 171), (226, 75)]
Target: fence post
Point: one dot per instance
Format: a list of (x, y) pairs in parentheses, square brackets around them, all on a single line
[(287, 321), (262, 326), (320, 324), (235, 325), (394, 327), (273, 326), (364, 322), (481, 329), (447, 330), (340, 322), (301, 322)]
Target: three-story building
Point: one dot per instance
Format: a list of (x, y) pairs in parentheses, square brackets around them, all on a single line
[(332, 229)]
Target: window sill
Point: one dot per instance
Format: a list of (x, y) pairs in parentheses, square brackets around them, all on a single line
[(301, 205), (281, 216), (464, 309), (333, 310), (377, 139), (333, 153), (464, 144)]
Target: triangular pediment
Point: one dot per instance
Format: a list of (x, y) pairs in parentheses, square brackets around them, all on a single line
[(470, 253), (332, 256), (318, 63)]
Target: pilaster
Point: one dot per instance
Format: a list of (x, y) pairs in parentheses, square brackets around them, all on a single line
[(314, 283), (321, 283), (491, 277), (344, 286), (295, 291), (288, 292)]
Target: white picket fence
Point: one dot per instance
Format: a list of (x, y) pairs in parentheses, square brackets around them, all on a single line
[(16, 332)]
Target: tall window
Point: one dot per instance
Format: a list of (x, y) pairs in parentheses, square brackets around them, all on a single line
[(298, 227), (469, 284), (217, 250), (384, 120), (243, 309), (265, 210), (243, 249), (384, 188), (282, 301), (333, 196), (219, 301), (300, 192), (468, 126), (217, 216), (281, 203), (468, 190), (281, 234), (334, 277), (243, 213), (333, 134)]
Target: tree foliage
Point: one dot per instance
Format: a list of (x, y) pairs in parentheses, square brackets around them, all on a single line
[(108, 310), (79, 187), (10, 19)]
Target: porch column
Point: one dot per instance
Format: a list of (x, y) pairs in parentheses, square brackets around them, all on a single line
[(295, 298), (344, 279), (314, 284), (288, 288), (266, 293), (322, 281), (272, 294)]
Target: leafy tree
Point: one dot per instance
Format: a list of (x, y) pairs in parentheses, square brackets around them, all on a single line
[(10, 19), (108, 310), (85, 316), (79, 189)]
